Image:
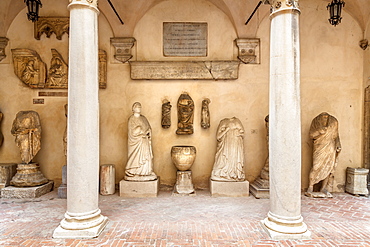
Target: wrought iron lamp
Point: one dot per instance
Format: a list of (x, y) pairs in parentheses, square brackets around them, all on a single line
[(335, 11), (33, 9)]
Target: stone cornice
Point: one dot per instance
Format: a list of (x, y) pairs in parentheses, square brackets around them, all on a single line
[(282, 5), (89, 3)]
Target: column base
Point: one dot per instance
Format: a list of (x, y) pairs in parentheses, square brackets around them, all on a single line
[(92, 232), (85, 225), (280, 228)]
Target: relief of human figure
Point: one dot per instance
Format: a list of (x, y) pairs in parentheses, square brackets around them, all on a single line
[(185, 111), (27, 131), (29, 74), (140, 155), (326, 148), (229, 160), (205, 117)]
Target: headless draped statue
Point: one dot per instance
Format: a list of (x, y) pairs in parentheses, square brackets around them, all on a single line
[(326, 147), (140, 155), (229, 160), (27, 131)]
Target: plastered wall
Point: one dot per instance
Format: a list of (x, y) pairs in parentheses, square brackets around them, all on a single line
[(333, 68)]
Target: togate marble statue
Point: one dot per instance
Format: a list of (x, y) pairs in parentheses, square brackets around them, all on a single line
[(166, 114), (205, 117), (140, 155), (27, 131), (326, 147), (229, 160), (185, 111)]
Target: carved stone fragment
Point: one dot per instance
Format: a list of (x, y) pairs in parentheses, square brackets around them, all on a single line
[(205, 117), (122, 48), (58, 72), (50, 25), (185, 112), (166, 114), (102, 69), (3, 44), (29, 67), (248, 50), (1, 133)]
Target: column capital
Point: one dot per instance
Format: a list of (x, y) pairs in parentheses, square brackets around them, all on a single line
[(89, 3), (281, 5)]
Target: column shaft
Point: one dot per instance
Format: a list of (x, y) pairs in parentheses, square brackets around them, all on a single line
[(284, 220), (83, 218)]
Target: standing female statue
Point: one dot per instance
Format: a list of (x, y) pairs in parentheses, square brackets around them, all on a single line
[(140, 155), (326, 147), (229, 161)]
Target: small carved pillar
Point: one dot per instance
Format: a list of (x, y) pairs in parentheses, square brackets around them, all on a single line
[(122, 48), (83, 218), (248, 50), (3, 44), (284, 220)]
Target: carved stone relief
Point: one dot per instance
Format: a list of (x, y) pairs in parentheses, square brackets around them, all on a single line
[(122, 48), (29, 67), (248, 50), (3, 44), (31, 70), (58, 72), (185, 112), (205, 117), (50, 25), (166, 114)]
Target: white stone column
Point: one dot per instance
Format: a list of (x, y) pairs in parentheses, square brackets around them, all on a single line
[(83, 218), (284, 220)]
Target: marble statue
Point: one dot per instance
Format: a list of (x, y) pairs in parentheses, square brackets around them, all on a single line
[(1, 133), (326, 147), (205, 118), (166, 114), (140, 155), (27, 131), (229, 160), (185, 111)]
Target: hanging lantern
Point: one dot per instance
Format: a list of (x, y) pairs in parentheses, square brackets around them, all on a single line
[(33, 9), (335, 11)]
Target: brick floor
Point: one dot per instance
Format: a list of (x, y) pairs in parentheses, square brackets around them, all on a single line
[(186, 221)]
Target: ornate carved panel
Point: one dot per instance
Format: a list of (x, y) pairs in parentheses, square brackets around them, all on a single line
[(58, 72), (50, 25), (3, 44), (29, 67), (102, 69)]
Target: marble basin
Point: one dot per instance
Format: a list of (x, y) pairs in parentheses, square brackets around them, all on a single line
[(183, 157)]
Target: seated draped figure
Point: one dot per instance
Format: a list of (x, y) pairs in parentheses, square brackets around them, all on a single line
[(229, 160), (140, 155), (27, 131)]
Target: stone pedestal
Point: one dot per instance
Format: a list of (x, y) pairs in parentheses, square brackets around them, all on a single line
[(260, 188), (62, 190), (28, 175), (107, 179), (356, 182), (184, 183), (7, 171), (139, 189), (230, 189), (27, 192)]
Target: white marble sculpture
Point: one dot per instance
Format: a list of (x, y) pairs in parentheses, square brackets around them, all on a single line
[(326, 147), (140, 155), (229, 161)]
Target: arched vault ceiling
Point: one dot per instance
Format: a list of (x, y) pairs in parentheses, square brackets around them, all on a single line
[(131, 11)]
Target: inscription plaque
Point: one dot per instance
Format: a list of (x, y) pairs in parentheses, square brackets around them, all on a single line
[(185, 39)]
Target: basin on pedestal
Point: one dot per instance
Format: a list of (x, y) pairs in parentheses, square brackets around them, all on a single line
[(183, 157)]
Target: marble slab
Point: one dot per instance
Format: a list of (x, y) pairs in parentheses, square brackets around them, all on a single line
[(138, 189), (27, 192), (229, 189)]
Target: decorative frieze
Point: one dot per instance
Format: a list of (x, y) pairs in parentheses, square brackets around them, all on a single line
[(50, 25), (122, 48), (3, 44), (184, 70), (248, 50)]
